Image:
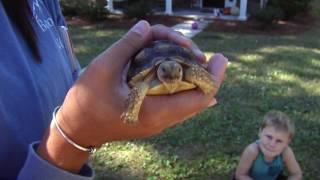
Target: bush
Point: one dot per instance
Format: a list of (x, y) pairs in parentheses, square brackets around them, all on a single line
[(70, 8), (94, 9), (290, 8), (281, 10), (138, 9), (269, 15)]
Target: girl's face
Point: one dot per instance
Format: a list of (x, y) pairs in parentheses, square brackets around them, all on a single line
[(273, 142)]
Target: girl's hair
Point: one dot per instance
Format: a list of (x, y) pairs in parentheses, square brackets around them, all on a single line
[(280, 121), (19, 12)]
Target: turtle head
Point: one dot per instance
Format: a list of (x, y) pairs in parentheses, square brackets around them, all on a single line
[(170, 74)]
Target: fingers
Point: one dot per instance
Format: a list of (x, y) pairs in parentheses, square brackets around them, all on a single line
[(119, 53), (172, 109), (212, 102), (217, 66), (163, 32)]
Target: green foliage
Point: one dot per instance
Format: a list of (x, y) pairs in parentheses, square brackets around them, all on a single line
[(269, 15), (290, 8), (281, 10), (93, 9), (138, 9)]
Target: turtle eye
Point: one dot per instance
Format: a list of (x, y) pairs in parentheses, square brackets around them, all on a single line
[(163, 69)]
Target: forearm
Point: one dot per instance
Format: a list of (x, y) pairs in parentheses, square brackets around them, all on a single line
[(243, 177), (295, 177)]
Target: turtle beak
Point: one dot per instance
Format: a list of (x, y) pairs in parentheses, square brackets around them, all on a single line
[(171, 87)]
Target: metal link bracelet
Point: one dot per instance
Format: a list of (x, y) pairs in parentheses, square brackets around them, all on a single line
[(90, 149)]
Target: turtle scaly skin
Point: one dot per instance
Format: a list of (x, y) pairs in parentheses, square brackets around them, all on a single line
[(163, 68)]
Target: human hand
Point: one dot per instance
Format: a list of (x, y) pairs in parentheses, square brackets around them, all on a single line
[(90, 114)]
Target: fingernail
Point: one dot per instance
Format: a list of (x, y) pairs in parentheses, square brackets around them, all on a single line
[(212, 102), (141, 27), (198, 52), (200, 55)]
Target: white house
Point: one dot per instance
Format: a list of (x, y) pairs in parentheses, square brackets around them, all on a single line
[(203, 4)]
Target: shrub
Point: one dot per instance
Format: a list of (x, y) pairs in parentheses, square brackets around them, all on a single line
[(70, 8), (290, 8), (94, 9), (138, 9), (269, 15), (280, 10), (98, 10)]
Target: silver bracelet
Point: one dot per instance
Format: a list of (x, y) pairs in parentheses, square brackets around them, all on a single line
[(90, 149)]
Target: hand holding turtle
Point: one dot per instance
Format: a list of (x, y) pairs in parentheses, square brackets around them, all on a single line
[(90, 114)]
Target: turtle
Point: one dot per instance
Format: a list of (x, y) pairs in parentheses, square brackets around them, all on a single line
[(162, 68)]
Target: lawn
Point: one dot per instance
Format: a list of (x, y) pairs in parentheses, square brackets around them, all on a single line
[(265, 72)]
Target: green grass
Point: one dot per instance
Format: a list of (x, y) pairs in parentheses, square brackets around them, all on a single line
[(91, 40), (266, 72)]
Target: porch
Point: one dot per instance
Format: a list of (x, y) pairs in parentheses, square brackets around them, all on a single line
[(214, 9)]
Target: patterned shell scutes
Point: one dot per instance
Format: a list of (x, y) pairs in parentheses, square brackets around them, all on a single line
[(159, 50)]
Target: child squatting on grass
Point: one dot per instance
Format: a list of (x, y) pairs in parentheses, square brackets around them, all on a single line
[(265, 158)]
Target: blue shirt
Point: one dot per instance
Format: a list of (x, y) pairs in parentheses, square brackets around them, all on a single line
[(29, 92), (263, 170)]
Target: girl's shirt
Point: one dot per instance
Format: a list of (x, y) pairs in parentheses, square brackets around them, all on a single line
[(29, 92), (263, 170)]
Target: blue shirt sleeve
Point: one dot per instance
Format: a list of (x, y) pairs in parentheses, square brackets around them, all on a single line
[(30, 91), (35, 168)]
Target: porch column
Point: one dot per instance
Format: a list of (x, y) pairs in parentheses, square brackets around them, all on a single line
[(110, 5), (243, 10), (263, 3), (168, 7)]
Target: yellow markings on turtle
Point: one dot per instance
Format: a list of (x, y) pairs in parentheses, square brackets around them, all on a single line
[(139, 77), (140, 56), (160, 89)]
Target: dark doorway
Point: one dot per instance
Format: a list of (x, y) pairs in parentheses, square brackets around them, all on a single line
[(213, 3)]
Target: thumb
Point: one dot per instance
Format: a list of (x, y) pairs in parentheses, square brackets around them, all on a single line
[(217, 66), (120, 52)]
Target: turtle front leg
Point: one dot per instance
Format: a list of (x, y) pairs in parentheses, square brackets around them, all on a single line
[(136, 96), (200, 77)]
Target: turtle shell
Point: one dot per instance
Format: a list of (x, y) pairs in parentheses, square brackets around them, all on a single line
[(158, 51)]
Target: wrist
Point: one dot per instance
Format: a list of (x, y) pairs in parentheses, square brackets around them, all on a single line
[(55, 149), (89, 149)]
